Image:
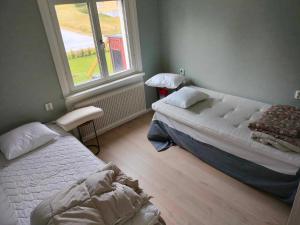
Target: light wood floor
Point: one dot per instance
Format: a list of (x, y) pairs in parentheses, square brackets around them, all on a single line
[(186, 190)]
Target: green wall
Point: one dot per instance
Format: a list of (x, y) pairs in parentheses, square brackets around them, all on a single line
[(148, 15), (248, 48), (28, 77)]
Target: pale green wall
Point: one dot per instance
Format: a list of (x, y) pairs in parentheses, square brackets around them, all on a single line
[(248, 48), (27, 74), (28, 77), (148, 15), (245, 47)]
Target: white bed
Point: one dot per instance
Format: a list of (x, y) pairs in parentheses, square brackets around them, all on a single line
[(33, 177), (222, 121)]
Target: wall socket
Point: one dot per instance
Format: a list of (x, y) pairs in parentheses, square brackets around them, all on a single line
[(49, 107), (297, 94), (182, 71)]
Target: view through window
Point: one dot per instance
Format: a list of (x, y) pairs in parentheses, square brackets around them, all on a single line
[(80, 44)]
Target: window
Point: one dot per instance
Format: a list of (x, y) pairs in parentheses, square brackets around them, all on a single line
[(92, 41)]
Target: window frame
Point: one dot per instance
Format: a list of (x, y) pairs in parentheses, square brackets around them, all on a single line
[(57, 47)]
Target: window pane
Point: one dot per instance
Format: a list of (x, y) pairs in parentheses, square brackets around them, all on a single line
[(77, 35), (114, 35)]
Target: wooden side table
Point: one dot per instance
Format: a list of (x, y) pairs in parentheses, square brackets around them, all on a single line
[(79, 118)]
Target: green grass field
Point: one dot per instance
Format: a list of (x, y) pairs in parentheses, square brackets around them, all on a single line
[(80, 66)]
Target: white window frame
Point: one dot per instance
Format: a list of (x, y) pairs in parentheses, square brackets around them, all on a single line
[(58, 51)]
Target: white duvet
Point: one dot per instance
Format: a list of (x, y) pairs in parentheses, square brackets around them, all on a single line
[(37, 175)]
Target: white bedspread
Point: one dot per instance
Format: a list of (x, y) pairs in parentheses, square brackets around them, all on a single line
[(222, 121), (35, 176)]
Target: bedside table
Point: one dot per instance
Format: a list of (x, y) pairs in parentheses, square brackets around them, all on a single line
[(79, 118)]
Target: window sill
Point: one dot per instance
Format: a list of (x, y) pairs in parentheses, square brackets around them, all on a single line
[(74, 98)]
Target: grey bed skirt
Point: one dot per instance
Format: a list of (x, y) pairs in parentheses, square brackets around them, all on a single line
[(280, 185)]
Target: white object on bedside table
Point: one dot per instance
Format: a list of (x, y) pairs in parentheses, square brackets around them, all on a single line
[(166, 80), (78, 117)]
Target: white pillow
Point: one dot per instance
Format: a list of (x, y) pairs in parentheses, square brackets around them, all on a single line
[(25, 139), (185, 97), (165, 80)]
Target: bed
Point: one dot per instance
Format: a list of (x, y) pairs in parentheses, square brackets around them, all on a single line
[(35, 176), (216, 131)]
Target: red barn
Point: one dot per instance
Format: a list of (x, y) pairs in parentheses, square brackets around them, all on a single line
[(117, 52)]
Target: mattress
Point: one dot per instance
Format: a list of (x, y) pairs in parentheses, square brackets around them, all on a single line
[(222, 121), (33, 177)]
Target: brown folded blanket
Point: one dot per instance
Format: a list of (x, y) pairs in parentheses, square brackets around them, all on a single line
[(280, 121)]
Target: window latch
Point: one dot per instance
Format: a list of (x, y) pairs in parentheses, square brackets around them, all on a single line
[(102, 44)]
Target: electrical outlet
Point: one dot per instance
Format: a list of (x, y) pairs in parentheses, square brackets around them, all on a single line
[(297, 94), (182, 71), (49, 107)]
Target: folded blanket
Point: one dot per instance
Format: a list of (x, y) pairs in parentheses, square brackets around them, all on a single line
[(279, 126), (107, 197), (280, 144), (281, 120)]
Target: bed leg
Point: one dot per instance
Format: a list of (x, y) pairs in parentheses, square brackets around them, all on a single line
[(95, 132)]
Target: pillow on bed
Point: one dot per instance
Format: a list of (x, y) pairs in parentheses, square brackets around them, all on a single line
[(185, 97), (165, 80), (7, 211), (25, 139)]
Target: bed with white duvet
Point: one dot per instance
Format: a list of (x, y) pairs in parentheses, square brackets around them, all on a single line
[(33, 177), (216, 130)]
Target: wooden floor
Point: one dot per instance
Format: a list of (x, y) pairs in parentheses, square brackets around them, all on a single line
[(186, 190)]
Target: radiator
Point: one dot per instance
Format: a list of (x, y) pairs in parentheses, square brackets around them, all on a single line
[(119, 106)]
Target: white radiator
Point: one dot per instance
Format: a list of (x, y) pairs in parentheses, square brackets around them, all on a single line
[(119, 106)]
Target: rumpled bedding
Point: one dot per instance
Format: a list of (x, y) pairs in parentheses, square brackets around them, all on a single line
[(107, 197), (279, 127), (275, 142)]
